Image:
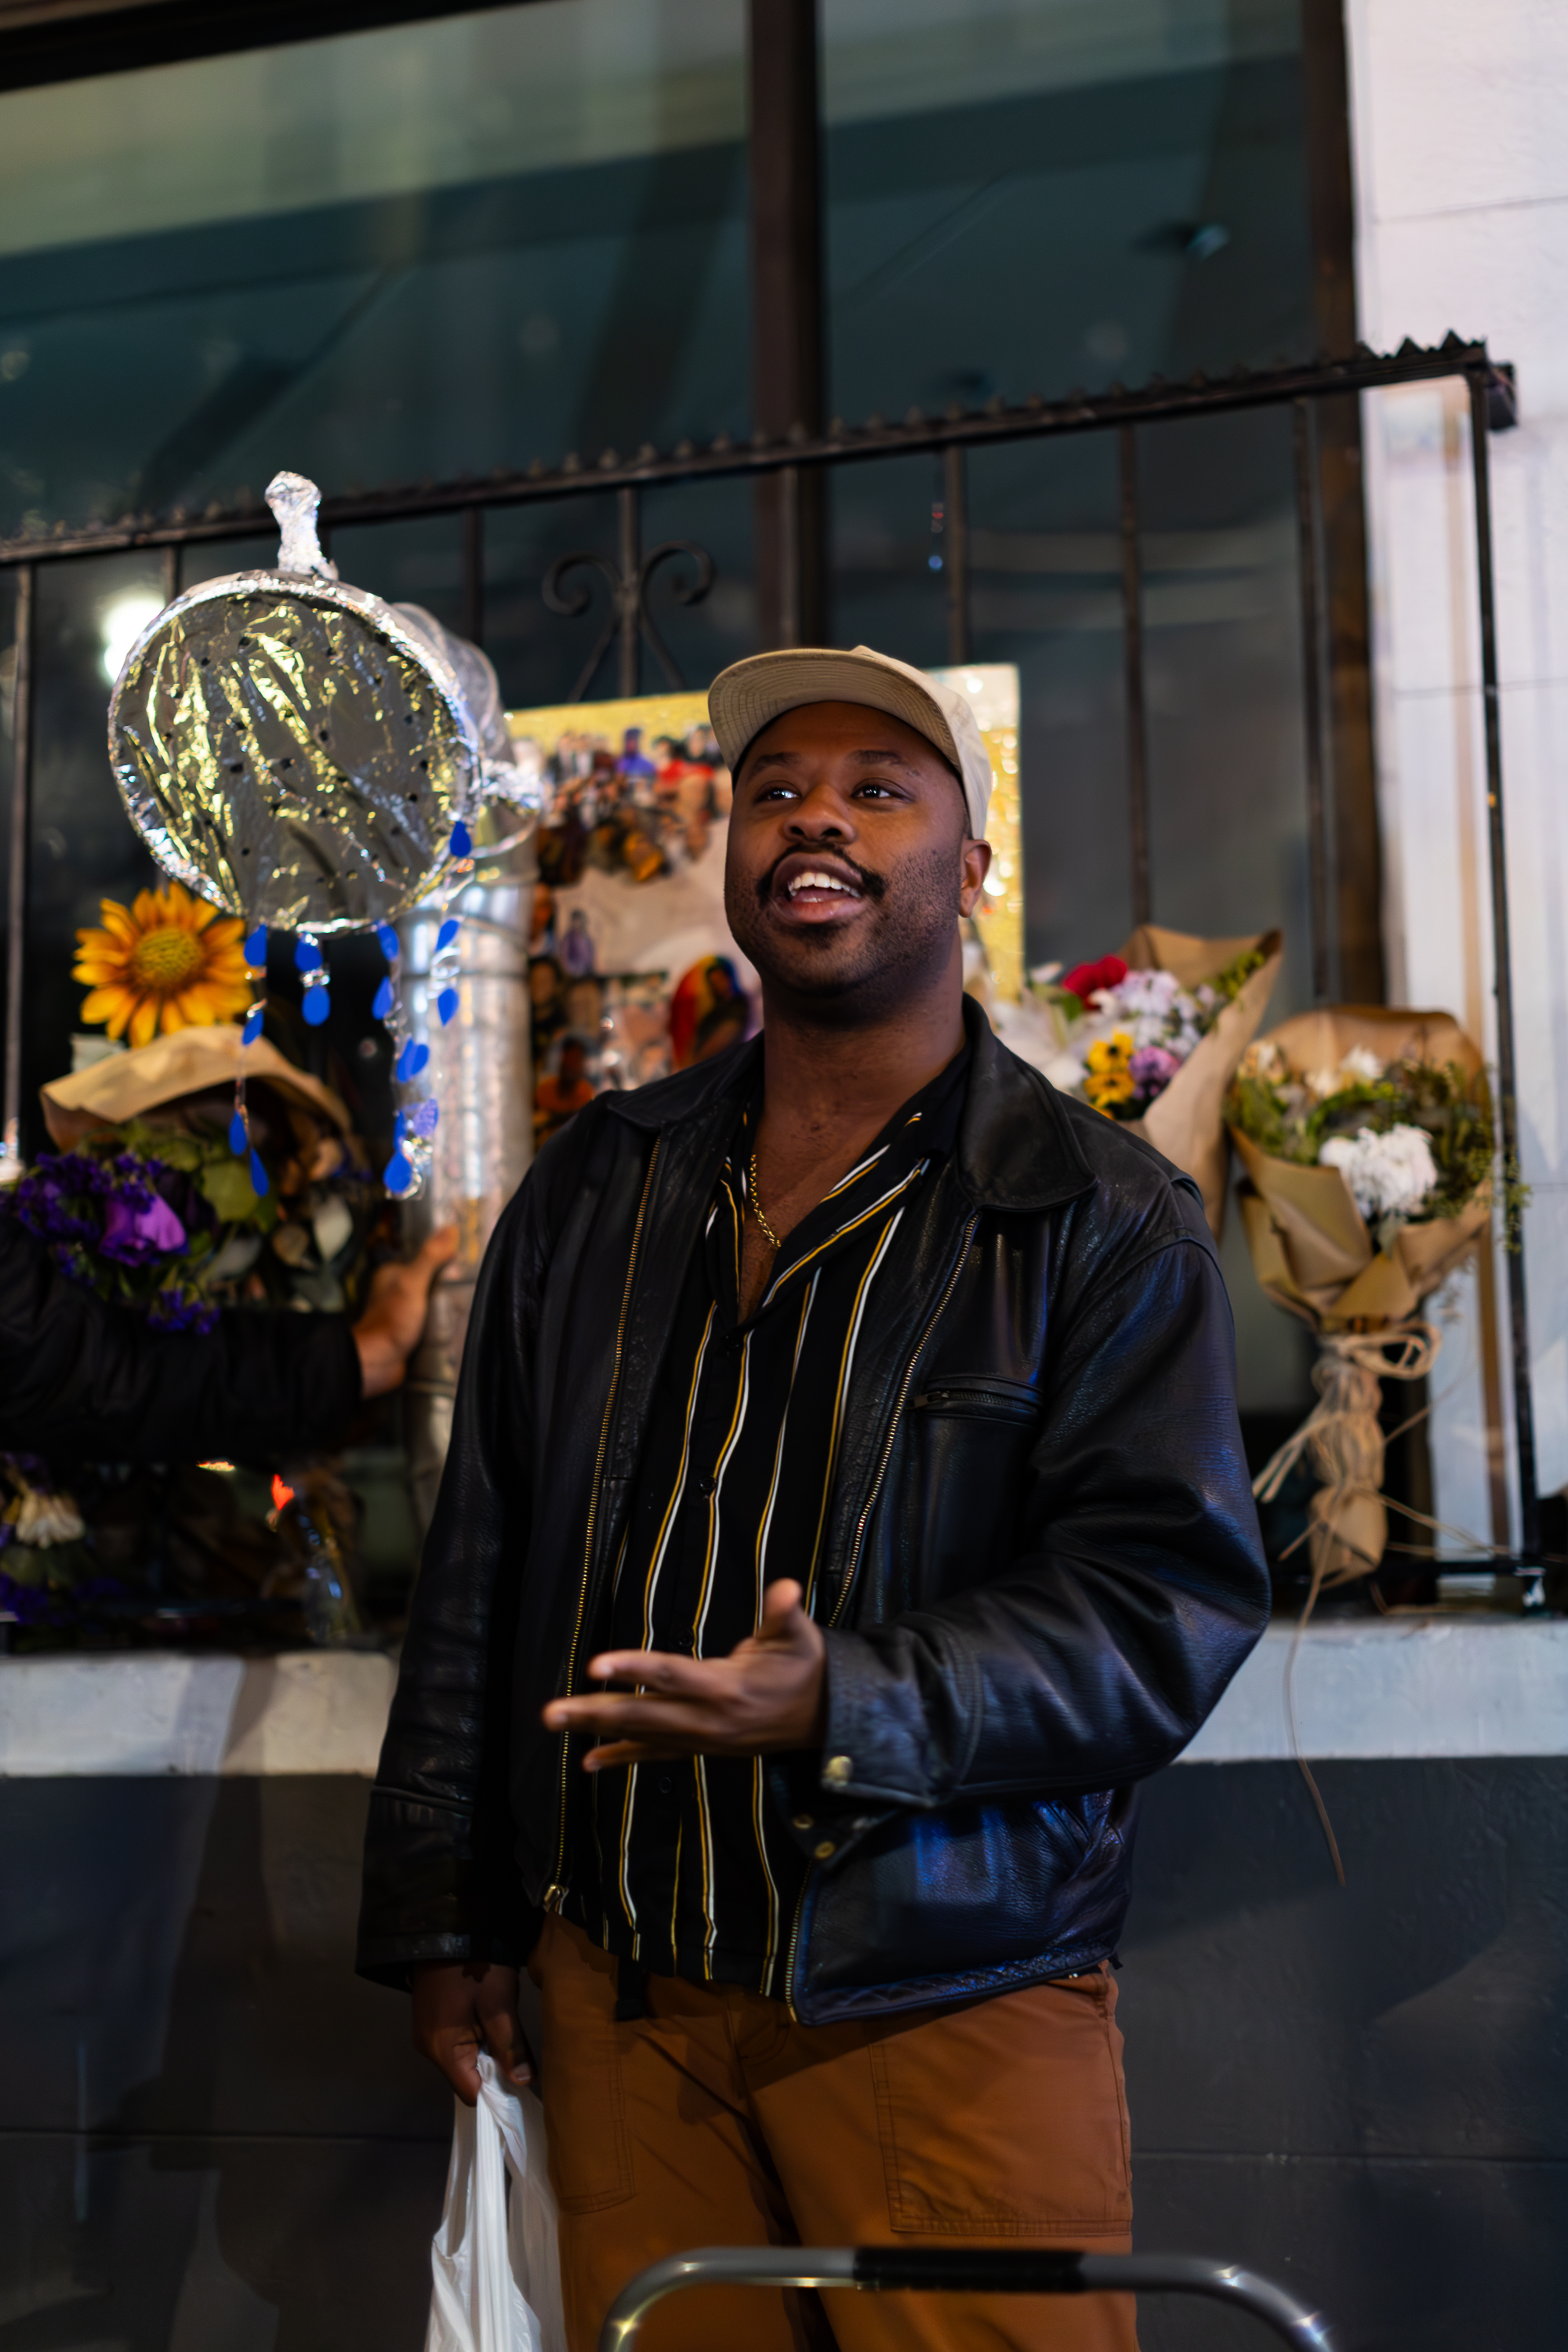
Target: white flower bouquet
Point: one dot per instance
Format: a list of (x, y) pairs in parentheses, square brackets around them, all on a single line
[(1366, 1136)]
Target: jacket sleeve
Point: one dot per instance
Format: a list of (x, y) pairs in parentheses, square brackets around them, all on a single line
[(1090, 1657), (81, 1378), (440, 1883)]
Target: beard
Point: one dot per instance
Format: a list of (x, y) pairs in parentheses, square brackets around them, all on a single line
[(856, 970)]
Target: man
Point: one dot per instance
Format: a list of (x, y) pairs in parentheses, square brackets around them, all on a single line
[(81, 1378), (845, 1509)]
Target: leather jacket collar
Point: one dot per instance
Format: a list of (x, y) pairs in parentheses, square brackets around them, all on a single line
[(1003, 1094)]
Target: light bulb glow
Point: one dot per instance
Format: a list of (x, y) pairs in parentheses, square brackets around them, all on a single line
[(121, 624)]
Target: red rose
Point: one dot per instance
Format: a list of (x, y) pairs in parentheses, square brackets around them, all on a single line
[(1085, 979)]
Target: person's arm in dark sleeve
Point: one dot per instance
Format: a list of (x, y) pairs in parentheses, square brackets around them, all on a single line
[(1090, 1657), (440, 1883), (82, 1379)]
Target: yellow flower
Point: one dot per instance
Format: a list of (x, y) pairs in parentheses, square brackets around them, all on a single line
[(1107, 1079), (1104, 1087), (1112, 1054), (170, 962)]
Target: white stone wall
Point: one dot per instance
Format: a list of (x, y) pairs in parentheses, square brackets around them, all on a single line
[(1460, 126)]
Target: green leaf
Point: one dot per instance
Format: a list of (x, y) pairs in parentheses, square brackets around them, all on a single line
[(225, 1184)]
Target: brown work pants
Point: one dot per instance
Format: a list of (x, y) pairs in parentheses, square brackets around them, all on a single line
[(715, 2120)]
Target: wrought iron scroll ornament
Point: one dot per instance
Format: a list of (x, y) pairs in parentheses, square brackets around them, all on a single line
[(628, 616)]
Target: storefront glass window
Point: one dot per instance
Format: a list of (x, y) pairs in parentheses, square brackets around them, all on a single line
[(429, 250), (1024, 195)]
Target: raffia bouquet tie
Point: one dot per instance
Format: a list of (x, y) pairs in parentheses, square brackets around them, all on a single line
[(1343, 1442)]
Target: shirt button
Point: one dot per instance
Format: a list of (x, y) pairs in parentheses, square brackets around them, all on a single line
[(823, 1850), (837, 1772), (706, 1483), (665, 1784), (804, 1821)]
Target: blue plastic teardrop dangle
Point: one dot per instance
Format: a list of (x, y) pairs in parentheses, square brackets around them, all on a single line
[(385, 998), (259, 1182), (462, 842), (239, 1135), (448, 933), (311, 966), (253, 1020), (447, 1005), (389, 942), (256, 949), (397, 1175)]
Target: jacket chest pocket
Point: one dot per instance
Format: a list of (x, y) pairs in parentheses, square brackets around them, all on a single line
[(966, 1438), (978, 1396)]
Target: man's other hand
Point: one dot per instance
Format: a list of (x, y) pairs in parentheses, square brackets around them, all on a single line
[(461, 2007), (388, 1331), (769, 1693)]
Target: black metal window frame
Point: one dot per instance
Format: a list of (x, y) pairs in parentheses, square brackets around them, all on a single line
[(799, 461)]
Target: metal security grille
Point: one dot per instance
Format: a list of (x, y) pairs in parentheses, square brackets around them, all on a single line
[(792, 465)]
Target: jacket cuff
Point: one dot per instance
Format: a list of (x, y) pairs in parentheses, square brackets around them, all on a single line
[(877, 1745), (429, 1895), (392, 1959)]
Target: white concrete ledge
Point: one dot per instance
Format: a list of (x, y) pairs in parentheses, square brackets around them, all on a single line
[(152, 1713), (1414, 1686), (1399, 1686)]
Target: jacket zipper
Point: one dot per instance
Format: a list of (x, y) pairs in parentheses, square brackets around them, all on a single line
[(555, 1894), (860, 1525)]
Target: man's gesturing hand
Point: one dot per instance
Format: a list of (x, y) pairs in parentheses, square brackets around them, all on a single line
[(461, 2007), (769, 1693)]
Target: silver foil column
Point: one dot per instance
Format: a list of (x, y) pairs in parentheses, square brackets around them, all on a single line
[(483, 1080)]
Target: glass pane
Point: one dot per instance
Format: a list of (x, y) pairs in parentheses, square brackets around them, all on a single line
[(1046, 593), (885, 592), (1024, 195), (540, 656), (404, 254), (81, 845), (1227, 788)]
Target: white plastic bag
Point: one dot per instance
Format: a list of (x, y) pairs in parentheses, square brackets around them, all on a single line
[(494, 2264)]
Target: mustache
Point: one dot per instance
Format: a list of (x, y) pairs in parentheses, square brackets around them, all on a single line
[(872, 885)]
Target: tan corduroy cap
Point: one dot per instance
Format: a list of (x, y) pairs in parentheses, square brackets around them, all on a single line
[(751, 694)]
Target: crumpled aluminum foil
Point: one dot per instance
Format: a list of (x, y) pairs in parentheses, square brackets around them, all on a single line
[(291, 747)]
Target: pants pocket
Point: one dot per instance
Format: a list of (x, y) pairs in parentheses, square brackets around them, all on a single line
[(1009, 2118), (580, 2072)]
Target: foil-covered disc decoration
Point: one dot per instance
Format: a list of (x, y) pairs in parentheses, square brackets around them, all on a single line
[(291, 747), (314, 760)]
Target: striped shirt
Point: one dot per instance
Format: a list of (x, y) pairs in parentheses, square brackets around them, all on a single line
[(681, 1865)]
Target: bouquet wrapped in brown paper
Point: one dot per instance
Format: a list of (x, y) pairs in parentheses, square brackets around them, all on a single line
[(1366, 1133), (1186, 1118), (1153, 1037)]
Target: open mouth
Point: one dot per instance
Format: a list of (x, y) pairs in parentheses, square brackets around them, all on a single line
[(813, 884), (815, 888)]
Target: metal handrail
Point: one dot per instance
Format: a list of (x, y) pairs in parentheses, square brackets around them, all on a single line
[(964, 2270)]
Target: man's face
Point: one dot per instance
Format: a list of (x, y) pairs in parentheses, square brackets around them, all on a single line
[(849, 860)]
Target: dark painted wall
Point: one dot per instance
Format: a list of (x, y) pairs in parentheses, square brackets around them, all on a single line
[(213, 2139)]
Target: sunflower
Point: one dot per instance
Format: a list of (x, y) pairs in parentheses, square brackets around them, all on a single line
[(170, 962), (1108, 1078)]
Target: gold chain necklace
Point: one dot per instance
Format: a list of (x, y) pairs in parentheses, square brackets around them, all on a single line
[(757, 1206)]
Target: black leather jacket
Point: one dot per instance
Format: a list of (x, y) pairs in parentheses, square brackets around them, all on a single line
[(1043, 1548)]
